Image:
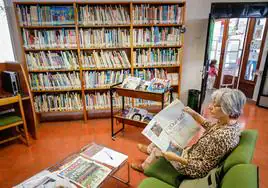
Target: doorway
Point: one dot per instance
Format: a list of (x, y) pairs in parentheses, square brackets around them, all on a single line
[(237, 45)]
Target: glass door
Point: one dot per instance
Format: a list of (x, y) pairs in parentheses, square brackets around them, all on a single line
[(253, 56)]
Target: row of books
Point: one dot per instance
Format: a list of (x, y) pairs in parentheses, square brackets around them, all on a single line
[(59, 38), (99, 38), (97, 79), (156, 36), (174, 78), (149, 74), (99, 100), (58, 81), (45, 15), (58, 102), (102, 15), (156, 57), (105, 59), (157, 14), (52, 60)]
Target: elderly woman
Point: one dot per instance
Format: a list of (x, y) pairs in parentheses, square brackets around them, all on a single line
[(218, 140)]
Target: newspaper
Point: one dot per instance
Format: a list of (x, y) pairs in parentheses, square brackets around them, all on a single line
[(172, 128)]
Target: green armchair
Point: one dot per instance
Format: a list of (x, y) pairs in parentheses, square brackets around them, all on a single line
[(162, 172)]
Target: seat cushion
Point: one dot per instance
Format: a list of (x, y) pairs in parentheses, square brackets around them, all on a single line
[(244, 152), (6, 120), (163, 170), (153, 183), (241, 176)]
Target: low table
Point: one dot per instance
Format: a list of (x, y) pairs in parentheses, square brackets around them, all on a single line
[(90, 152)]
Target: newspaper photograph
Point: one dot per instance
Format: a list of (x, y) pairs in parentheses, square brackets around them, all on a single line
[(172, 128)]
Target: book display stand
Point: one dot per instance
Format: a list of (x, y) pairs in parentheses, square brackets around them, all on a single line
[(141, 94)]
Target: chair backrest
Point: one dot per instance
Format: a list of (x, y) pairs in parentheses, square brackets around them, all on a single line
[(244, 152), (10, 100)]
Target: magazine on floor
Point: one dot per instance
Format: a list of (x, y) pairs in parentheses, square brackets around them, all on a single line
[(172, 128)]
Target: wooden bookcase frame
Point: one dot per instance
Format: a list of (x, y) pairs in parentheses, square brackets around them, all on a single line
[(78, 49)]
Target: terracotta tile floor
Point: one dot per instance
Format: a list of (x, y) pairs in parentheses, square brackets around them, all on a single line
[(59, 139)]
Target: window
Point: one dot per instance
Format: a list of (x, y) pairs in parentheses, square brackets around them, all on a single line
[(6, 50)]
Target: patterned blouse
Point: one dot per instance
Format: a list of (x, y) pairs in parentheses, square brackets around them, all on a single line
[(207, 152)]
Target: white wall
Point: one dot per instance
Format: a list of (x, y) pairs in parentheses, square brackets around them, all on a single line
[(197, 12)]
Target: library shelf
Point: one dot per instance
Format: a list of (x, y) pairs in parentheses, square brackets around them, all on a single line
[(97, 88), (100, 69), (157, 25), (103, 26), (158, 66), (124, 120), (47, 26), (56, 70), (60, 111), (54, 91), (49, 49), (107, 48), (158, 46)]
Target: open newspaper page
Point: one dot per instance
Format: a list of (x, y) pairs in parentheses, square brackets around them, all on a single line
[(172, 128)]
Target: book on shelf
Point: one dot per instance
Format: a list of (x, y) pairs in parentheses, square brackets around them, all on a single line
[(104, 38), (156, 57), (42, 39), (100, 79), (157, 14), (63, 60), (91, 15), (105, 59), (174, 78), (149, 74), (70, 101), (99, 101), (172, 128), (33, 15), (156, 36), (54, 81)]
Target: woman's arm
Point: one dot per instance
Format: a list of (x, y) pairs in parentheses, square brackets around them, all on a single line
[(197, 117), (170, 156)]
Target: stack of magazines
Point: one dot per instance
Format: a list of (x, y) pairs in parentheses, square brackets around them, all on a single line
[(58, 81), (52, 60), (58, 102), (137, 114), (39, 39), (105, 59)]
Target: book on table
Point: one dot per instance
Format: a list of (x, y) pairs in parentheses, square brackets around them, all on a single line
[(172, 128)]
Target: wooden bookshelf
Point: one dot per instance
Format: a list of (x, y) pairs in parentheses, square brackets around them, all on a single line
[(77, 25)]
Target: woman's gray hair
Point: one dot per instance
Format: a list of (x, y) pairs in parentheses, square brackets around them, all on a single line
[(231, 101)]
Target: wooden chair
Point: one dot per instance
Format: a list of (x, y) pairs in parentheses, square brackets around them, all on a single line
[(9, 121)]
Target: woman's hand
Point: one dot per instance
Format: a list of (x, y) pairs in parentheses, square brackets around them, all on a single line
[(189, 110), (170, 156)]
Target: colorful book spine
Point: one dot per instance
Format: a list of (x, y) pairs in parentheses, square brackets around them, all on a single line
[(149, 74), (103, 15), (157, 14), (104, 38), (33, 15), (58, 81), (66, 60), (105, 59), (99, 101), (154, 36), (156, 57), (100, 79), (58, 102), (39, 39)]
